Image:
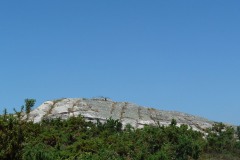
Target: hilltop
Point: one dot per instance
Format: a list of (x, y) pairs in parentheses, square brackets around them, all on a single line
[(103, 109)]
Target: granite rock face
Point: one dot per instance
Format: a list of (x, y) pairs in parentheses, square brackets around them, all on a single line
[(102, 109)]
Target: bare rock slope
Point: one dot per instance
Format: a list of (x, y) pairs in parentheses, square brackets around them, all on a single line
[(102, 109)]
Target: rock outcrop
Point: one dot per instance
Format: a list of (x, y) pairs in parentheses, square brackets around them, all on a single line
[(102, 109)]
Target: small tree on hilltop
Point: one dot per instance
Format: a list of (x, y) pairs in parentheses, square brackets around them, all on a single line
[(29, 103), (238, 132)]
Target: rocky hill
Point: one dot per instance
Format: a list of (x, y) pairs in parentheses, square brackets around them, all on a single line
[(102, 109)]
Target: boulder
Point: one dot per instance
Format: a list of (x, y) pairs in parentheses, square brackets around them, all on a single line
[(103, 109)]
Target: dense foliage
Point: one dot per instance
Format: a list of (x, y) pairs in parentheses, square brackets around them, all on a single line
[(76, 139)]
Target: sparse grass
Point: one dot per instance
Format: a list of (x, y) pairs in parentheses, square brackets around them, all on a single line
[(123, 110), (52, 106), (150, 110), (113, 108), (139, 113)]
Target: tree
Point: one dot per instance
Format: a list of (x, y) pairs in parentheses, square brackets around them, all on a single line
[(29, 103), (238, 132), (220, 138), (4, 114), (173, 122)]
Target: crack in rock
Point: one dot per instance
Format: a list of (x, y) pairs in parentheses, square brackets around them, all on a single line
[(102, 109)]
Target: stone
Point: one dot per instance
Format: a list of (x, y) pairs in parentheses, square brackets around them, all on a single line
[(103, 109)]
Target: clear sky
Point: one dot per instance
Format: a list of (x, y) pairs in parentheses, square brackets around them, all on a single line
[(171, 55)]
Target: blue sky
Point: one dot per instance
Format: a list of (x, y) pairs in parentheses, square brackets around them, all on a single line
[(171, 55)]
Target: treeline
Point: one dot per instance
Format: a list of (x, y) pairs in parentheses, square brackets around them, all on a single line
[(76, 139)]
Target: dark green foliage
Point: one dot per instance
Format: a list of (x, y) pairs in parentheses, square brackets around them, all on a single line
[(221, 138), (238, 132), (4, 114), (75, 139), (173, 122), (29, 103)]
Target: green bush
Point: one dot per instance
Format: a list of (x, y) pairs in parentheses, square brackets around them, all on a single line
[(75, 139)]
